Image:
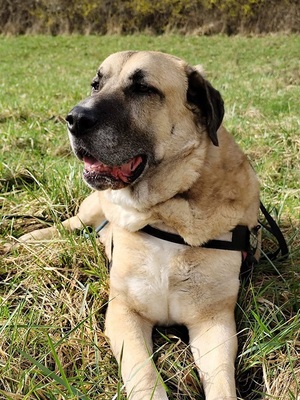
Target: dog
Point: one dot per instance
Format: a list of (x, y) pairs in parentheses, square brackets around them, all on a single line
[(162, 165)]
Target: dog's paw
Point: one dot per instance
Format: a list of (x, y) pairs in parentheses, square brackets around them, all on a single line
[(30, 237)]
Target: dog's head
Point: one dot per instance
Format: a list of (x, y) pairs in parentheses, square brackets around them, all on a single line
[(145, 107)]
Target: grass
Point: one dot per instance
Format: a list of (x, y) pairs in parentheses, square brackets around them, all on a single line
[(53, 295)]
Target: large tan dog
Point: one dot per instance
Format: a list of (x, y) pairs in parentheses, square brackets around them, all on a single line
[(153, 147)]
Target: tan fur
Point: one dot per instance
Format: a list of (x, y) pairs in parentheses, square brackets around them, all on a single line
[(194, 188)]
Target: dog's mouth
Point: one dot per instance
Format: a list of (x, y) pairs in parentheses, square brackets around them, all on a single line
[(102, 176)]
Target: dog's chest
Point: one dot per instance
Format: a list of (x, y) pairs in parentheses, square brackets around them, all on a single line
[(155, 281)]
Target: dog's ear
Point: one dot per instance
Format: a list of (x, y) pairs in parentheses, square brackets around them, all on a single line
[(207, 102)]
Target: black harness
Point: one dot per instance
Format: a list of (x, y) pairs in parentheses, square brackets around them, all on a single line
[(239, 242), (243, 240)]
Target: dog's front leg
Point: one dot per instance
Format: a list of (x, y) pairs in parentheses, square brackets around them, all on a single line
[(214, 346), (130, 338)]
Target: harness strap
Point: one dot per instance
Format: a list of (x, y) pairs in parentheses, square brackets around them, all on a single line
[(239, 242), (276, 232), (101, 226)]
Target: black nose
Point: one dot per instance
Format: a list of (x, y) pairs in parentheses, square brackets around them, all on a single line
[(80, 120)]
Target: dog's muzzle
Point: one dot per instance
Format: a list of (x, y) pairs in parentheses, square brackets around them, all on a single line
[(114, 153)]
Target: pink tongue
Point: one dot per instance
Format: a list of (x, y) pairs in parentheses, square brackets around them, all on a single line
[(122, 172)]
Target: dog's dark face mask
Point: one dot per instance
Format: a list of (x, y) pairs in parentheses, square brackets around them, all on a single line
[(103, 135)]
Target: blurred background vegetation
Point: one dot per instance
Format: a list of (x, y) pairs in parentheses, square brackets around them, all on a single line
[(202, 17)]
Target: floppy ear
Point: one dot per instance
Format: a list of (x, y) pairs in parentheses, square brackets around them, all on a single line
[(208, 101)]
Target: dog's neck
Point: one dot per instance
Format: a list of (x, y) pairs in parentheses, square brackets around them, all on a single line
[(171, 178)]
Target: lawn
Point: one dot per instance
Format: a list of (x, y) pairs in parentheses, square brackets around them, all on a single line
[(53, 295)]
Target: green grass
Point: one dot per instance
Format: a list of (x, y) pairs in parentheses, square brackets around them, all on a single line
[(53, 295)]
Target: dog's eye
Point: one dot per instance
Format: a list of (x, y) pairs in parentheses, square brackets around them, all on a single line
[(142, 88), (95, 84)]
